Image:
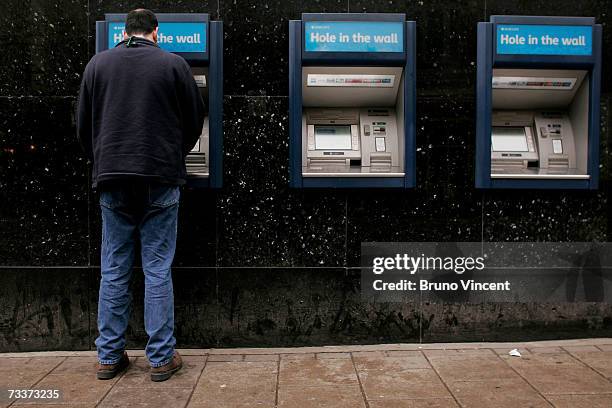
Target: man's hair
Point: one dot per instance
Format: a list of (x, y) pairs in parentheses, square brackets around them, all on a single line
[(140, 21)]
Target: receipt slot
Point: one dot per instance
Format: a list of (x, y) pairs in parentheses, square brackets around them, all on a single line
[(200, 42), (538, 93), (352, 101)]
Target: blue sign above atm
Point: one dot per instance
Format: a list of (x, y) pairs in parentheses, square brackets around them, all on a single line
[(172, 36), (353, 36), (527, 39)]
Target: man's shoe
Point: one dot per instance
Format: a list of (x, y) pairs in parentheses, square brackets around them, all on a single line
[(166, 371), (109, 371)]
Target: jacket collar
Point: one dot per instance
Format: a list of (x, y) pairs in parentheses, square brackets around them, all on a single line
[(135, 41)]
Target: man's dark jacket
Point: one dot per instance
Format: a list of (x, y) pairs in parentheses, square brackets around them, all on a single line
[(140, 112)]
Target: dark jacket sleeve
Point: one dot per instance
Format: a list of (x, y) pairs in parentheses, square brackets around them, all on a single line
[(193, 110), (83, 116)]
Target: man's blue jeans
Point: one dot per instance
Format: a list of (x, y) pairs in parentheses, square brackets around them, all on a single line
[(132, 212)]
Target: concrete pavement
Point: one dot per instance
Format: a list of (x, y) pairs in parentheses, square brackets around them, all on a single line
[(570, 373)]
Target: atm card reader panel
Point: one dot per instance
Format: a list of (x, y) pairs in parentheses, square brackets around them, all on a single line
[(556, 141), (379, 138)]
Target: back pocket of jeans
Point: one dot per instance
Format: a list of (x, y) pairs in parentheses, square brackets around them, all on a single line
[(111, 199), (165, 196)]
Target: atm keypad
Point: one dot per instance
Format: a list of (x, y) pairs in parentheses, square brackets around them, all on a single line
[(553, 130)]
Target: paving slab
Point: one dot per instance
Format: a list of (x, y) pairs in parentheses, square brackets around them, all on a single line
[(374, 354), (23, 373), (406, 362), (403, 353), (472, 367), (546, 350), (341, 396), (75, 387), (581, 401), (578, 349), (414, 403), (261, 357), (298, 356), (599, 361), (236, 384), (333, 355), (225, 357), (317, 372), (482, 352), (77, 364), (121, 397), (404, 384), (442, 353), (498, 393), (559, 373)]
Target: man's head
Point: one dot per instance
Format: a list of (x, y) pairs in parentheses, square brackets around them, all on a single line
[(141, 23)]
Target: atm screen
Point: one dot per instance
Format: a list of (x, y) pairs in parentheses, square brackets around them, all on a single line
[(332, 137), (509, 139)]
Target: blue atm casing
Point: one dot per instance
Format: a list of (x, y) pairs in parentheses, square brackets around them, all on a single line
[(211, 57), (489, 58), (299, 57)]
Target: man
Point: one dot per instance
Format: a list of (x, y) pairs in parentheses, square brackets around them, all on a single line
[(139, 114)]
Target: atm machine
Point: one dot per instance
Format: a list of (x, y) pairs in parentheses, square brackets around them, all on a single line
[(352, 101), (200, 41), (538, 95)]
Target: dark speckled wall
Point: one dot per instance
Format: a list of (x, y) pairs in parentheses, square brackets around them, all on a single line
[(259, 264)]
